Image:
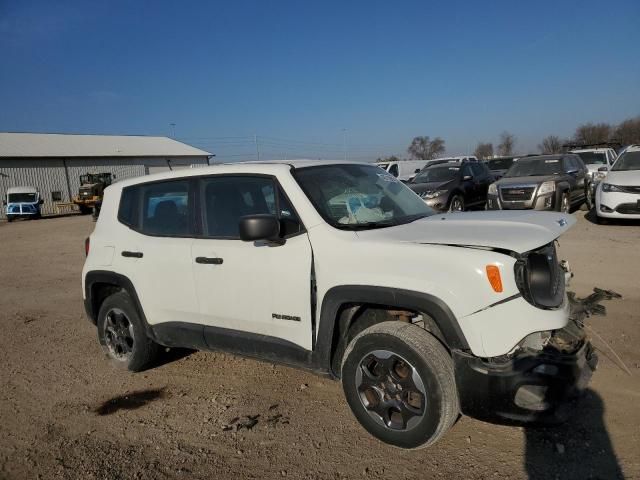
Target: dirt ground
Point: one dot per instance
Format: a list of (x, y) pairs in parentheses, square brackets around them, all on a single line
[(65, 412)]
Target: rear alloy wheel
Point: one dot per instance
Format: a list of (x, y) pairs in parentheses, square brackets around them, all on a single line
[(399, 382), (122, 334), (456, 204)]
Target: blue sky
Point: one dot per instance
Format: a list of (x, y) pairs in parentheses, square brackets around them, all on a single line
[(298, 73)]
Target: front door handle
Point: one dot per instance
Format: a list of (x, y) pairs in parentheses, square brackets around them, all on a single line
[(131, 254), (209, 260)]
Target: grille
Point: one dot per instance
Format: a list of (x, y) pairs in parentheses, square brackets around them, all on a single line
[(516, 194), (629, 208)]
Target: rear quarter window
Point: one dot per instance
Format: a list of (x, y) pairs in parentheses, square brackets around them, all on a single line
[(127, 211)]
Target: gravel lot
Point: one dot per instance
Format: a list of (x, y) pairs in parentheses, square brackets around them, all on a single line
[(67, 413)]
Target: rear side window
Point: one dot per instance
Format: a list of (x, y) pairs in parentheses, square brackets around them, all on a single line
[(393, 170), (127, 209), (165, 208), (159, 209)]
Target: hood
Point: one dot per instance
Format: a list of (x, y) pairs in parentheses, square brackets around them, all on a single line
[(425, 187), (623, 177), (517, 230), (526, 180)]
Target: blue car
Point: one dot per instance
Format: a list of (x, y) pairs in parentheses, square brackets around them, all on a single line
[(22, 202)]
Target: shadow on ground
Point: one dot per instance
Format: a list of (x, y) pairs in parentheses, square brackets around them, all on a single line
[(578, 449), (130, 401)]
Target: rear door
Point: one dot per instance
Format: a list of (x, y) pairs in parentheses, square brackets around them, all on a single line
[(255, 287), (155, 251)]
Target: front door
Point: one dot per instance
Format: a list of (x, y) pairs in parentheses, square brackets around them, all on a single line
[(261, 288)]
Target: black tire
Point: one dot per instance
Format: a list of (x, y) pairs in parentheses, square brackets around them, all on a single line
[(411, 349), (84, 210), (9, 219), (456, 200), (588, 199), (122, 334), (565, 203), (601, 220)]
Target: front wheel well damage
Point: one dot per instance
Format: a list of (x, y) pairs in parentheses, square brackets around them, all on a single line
[(354, 318)]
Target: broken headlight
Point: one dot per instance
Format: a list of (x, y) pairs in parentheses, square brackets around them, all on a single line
[(540, 278)]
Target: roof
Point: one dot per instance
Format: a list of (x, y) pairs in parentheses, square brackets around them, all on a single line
[(22, 190), (56, 145), (269, 167), (633, 148), (595, 150)]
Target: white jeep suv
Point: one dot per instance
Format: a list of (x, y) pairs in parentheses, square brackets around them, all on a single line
[(341, 269)]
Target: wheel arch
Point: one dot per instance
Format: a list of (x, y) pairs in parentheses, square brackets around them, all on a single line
[(99, 284), (341, 304)]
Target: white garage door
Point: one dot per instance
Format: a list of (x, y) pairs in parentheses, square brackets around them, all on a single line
[(164, 168)]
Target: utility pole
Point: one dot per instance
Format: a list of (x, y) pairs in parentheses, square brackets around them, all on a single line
[(255, 140), (173, 130), (344, 142)]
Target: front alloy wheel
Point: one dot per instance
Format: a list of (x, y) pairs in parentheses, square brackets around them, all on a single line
[(390, 390), (457, 204), (399, 382)]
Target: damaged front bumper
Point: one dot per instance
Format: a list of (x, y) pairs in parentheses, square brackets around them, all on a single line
[(532, 384)]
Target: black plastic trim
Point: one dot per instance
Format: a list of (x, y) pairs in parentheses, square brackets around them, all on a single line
[(340, 296)]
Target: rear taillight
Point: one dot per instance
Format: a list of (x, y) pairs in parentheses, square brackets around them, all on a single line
[(87, 242)]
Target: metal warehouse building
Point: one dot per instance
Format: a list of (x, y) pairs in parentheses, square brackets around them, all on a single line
[(53, 163)]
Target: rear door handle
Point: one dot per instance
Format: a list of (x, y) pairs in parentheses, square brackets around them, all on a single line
[(209, 260), (128, 254)]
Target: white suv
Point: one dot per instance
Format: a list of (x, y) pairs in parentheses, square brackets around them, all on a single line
[(341, 269)]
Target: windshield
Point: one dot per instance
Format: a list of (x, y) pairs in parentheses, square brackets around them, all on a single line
[(22, 198), (593, 158), (360, 196), (500, 163), (437, 174), (535, 167), (627, 161)]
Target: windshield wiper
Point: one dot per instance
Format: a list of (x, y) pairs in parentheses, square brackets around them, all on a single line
[(367, 225)]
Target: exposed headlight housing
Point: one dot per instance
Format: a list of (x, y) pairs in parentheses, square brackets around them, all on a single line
[(547, 187), (432, 193), (540, 278), (493, 189), (608, 187)]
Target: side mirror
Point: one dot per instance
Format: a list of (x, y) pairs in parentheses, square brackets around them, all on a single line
[(41, 201), (603, 169), (467, 177), (417, 170), (4, 203), (260, 227)]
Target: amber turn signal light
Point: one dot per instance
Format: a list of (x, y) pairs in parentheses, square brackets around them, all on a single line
[(493, 274)]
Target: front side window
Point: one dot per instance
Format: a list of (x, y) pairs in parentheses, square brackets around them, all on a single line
[(360, 196), (226, 199), (165, 208)]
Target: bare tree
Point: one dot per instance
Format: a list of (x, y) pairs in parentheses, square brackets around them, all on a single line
[(423, 148), (507, 142), (551, 144), (628, 131), (592, 133), (483, 150)]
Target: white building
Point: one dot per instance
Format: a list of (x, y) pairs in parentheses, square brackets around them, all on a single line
[(53, 163)]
